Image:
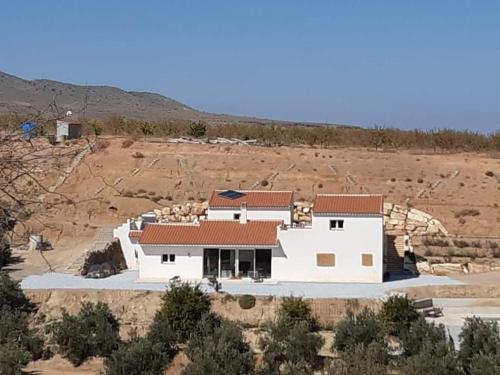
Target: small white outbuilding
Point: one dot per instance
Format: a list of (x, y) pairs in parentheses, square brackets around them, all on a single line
[(68, 128)]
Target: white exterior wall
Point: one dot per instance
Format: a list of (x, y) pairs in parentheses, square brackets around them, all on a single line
[(62, 128), (188, 263), (296, 260), (128, 248), (252, 214)]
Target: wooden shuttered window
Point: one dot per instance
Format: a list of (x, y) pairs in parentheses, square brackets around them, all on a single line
[(367, 260), (325, 260)]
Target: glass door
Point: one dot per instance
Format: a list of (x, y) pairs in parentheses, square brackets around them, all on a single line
[(246, 263), (227, 263), (263, 262), (210, 262)]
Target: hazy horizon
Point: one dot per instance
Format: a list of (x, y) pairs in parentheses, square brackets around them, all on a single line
[(390, 64)]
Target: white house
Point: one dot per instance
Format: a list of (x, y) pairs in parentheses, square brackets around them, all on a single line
[(250, 234)]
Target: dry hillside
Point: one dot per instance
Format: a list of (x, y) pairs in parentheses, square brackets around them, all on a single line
[(113, 183)]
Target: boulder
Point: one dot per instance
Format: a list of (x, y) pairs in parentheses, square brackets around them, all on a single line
[(442, 269), (166, 211), (398, 216), (204, 205), (306, 210), (387, 208), (441, 228), (197, 211), (423, 267), (399, 209), (478, 267), (305, 219), (419, 216)]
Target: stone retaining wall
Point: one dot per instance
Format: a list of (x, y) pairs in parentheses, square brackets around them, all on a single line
[(397, 219)]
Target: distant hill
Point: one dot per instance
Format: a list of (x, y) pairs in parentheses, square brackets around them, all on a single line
[(30, 97)]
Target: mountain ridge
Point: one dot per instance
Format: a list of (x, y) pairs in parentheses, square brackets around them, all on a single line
[(51, 97)]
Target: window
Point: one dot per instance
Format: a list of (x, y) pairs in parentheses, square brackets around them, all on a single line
[(336, 224), (168, 258), (367, 260), (325, 260), (236, 216)]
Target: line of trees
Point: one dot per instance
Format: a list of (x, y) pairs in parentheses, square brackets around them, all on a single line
[(291, 134), (396, 340)]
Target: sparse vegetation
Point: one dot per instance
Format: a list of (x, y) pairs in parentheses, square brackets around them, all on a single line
[(197, 129), (460, 243), (467, 212), (127, 143), (138, 155), (432, 241)]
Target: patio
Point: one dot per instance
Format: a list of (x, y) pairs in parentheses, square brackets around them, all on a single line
[(127, 281)]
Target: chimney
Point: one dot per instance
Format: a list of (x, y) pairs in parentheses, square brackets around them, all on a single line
[(243, 213)]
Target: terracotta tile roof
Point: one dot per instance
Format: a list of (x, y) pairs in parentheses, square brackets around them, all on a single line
[(253, 199), (349, 204), (212, 232), (134, 233)]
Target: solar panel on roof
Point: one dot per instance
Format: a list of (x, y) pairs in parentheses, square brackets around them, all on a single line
[(231, 194)]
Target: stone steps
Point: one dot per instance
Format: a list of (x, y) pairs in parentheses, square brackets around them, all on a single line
[(101, 239), (395, 254)]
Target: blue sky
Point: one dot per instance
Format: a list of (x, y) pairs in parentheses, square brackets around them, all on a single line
[(408, 64)]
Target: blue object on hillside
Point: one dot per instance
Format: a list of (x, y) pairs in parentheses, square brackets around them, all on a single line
[(28, 128)]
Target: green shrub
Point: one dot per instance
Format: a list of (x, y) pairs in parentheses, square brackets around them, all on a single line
[(92, 332), (478, 337), (361, 360), (219, 349), (397, 314), (11, 294), (182, 308), (290, 349), (13, 358), (363, 328), (197, 129), (294, 310), (433, 359), (246, 301), (14, 329), (138, 357), (485, 364), (5, 253), (422, 333)]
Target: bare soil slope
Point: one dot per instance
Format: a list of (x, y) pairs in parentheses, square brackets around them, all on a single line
[(110, 185)]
